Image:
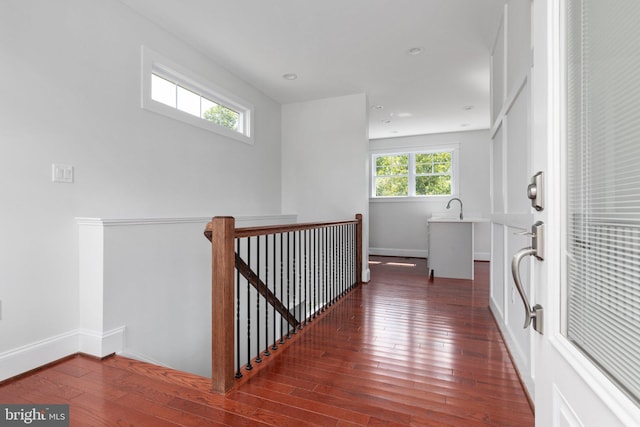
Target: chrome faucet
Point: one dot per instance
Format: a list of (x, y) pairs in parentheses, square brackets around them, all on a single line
[(449, 206)]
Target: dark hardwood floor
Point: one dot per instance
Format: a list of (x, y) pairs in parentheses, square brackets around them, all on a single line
[(401, 350)]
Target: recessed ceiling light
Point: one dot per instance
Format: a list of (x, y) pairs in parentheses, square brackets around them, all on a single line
[(377, 107), (386, 121), (467, 107), (404, 115), (290, 76), (415, 51), (394, 131), (465, 125)]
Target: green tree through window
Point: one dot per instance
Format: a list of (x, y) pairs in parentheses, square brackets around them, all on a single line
[(433, 174), (222, 116), (413, 174), (392, 175)]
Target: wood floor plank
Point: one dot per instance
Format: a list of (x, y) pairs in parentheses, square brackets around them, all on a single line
[(341, 414), (402, 350)]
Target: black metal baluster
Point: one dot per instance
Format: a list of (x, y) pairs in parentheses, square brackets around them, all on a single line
[(281, 282), (338, 263), (331, 278), (275, 334), (295, 259), (341, 260), (289, 279), (311, 285), (343, 280), (329, 274), (336, 248), (299, 316), (238, 371), (347, 255), (351, 252), (339, 248), (333, 267), (328, 266), (316, 281), (258, 358), (339, 252), (323, 262), (354, 256), (266, 302), (320, 271), (306, 273), (248, 367)]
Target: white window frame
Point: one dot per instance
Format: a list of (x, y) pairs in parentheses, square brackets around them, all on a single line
[(453, 149), (155, 63)]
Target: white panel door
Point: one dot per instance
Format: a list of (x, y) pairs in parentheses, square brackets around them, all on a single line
[(570, 390), (511, 168)]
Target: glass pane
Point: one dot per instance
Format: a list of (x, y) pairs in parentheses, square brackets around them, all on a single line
[(188, 101), (392, 186), (221, 115), (163, 91), (603, 186), (229, 118), (444, 157), (427, 163), (424, 163), (442, 162), (433, 185), (207, 106), (424, 158), (392, 165), (441, 167)]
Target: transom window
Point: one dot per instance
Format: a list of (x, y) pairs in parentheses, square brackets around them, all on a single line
[(172, 94), (171, 90), (413, 174)]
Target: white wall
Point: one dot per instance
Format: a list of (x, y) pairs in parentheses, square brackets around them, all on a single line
[(71, 94), (399, 227), (324, 160)]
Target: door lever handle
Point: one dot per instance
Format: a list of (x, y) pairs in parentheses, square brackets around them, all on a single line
[(525, 233), (532, 314)]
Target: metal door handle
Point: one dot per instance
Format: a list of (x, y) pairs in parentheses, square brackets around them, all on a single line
[(532, 314)]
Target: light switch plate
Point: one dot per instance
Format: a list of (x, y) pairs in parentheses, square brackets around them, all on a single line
[(62, 173)]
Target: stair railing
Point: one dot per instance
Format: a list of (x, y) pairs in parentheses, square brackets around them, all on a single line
[(270, 282)]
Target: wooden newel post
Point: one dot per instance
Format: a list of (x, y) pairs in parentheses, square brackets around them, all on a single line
[(222, 302), (359, 248)]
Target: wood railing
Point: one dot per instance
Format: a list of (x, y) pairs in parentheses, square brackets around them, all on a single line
[(270, 282)]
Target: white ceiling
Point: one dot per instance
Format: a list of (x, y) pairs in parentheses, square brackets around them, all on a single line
[(340, 47)]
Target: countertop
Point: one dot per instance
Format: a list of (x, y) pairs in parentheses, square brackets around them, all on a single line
[(455, 219)]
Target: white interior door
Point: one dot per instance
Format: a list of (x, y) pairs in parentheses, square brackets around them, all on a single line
[(586, 138)]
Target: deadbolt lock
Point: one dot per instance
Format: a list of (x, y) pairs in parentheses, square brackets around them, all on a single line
[(535, 191)]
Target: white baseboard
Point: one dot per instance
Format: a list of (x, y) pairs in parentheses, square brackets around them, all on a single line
[(413, 253), (420, 253), (520, 361), (366, 276), (142, 358), (482, 256), (102, 344), (31, 356), (35, 355)]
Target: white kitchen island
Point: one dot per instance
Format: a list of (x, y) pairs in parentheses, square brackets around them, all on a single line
[(450, 243)]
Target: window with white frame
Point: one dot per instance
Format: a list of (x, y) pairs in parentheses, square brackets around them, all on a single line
[(171, 90), (413, 174)]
